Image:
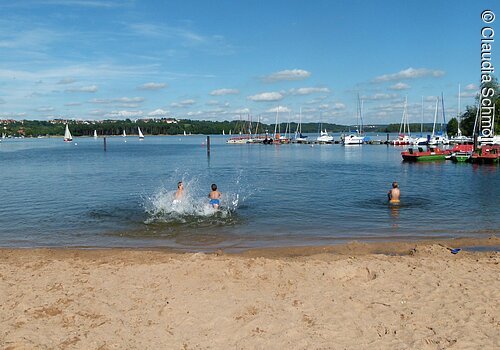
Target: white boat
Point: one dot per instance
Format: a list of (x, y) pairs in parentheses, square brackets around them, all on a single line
[(299, 138), (404, 137), (356, 139), (438, 137), (223, 132), (67, 135), (324, 137), (124, 134), (95, 134), (141, 136), (185, 133)]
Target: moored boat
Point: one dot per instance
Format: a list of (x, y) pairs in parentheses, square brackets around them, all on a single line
[(432, 154), (461, 153), (486, 154)]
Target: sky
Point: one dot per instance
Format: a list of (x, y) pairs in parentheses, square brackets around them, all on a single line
[(228, 59)]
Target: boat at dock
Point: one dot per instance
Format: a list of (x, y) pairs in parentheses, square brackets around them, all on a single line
[(404, 135), (431, 154), (356, 139), (461, 153), (486, 155)]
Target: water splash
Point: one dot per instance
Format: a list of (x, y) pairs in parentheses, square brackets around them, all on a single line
[(193, 209)]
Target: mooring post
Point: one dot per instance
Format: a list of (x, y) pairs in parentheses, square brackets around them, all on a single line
[(387, 139), (104, 144), (208, 145)]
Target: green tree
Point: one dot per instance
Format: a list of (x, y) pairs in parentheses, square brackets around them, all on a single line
[(452, 126)]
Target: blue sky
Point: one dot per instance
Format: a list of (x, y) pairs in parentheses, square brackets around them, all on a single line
[(215, 60)]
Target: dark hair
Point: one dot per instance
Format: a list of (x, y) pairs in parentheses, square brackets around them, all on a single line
[(395, 184), (214, 187), (179, 183)]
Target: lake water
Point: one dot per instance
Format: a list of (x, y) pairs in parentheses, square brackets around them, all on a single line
[(75, 194)]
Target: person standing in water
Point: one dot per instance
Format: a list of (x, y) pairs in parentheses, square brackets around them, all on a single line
[(394, 193), (214, 196)]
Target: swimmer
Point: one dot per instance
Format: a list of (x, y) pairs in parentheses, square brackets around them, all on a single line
[(179, 194), (214, 196), (394, 193)]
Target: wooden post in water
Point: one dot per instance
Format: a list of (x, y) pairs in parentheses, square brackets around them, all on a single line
[(387, 139), (104, 144), (208, 146)]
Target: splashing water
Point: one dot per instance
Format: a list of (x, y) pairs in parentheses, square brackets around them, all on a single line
[(193, 209)]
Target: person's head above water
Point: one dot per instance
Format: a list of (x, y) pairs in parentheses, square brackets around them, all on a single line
[(179, 184), (214, 187), (395, 184)]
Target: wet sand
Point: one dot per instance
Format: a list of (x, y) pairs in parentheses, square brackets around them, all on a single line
[(404, 295)]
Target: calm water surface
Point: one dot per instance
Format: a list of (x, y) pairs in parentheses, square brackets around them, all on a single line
[(75, 194)]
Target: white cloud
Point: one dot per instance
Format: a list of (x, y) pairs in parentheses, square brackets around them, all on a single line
[(339, 106), (117, 100), (242, 111), (9, 115), (124, 114), (158, 113), (152, 86), (266, 97), (221, 92), (182, 104), (410, 73), (279, 109), (471, 87), (45, 109), (69, 104), (399, 86), (469, 94), (194, 114), (90, 88), (290, 74), (380, 96), (309, 90), (66, 81)]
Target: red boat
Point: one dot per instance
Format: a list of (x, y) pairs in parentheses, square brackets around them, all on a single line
[(433, 153), (486, 154)]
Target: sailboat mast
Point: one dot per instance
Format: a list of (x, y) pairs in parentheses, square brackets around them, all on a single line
[(435, 117), (444, 118), (422, 123), (276, 122), (458, 111)]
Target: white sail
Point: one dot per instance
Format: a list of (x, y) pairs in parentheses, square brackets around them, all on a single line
[(67, 134), (124, 134), (141, 136), (184, 132), (223, 132), (95, 134)]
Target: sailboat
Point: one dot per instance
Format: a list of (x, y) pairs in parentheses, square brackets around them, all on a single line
[(356, 139), (299, 138), (420, 141), (459, 138), (124, 134), (439, 137), (223, 132), (404, 137), (141, 136), (67, 135), (95, 134)]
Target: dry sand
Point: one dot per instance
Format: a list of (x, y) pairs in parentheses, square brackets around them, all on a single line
[(420, 296)]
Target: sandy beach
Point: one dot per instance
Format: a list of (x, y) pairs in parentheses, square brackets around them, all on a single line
[(355, 296)]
